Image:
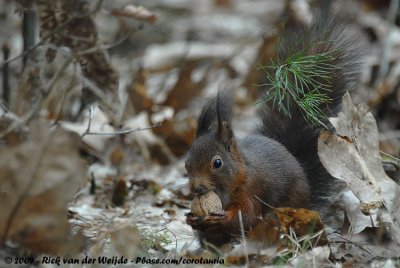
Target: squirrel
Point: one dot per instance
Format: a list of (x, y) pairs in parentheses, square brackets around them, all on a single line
[(278, 165)]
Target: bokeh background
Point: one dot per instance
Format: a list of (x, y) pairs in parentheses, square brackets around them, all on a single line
[(99, 101)]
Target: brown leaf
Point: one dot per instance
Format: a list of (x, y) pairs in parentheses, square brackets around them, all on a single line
[(28, 90), (79, 33), (38, 179), (185, 89), (303, 222), (266, 231), (48, 25), (136, 12), (138, 93), (116, 156), (178, 135), (284, 221), (14, 137), (120, 192)]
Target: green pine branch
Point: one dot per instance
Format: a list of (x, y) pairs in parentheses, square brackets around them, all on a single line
[(302, 79)]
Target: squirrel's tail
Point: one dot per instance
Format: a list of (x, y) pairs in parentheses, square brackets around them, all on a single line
[(294, 132)]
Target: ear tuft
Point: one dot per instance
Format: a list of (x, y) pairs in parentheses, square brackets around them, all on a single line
[(207, 117), (224, 115)]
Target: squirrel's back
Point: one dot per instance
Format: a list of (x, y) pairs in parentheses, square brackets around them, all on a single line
[(280, 172)]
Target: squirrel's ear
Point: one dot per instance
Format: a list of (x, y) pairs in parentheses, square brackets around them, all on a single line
[(224, 116), (207, 116)]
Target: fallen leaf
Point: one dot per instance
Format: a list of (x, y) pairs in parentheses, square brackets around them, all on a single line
[(136, 12), (138, 93), (38, 179), (285, 222), (120, 192), (185, 89), (352, 155)]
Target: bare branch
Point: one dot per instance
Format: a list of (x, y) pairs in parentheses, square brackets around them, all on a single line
[(38, 103), (51, 34), (121, 132)]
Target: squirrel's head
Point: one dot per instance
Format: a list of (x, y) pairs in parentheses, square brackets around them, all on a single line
[(212, 163)]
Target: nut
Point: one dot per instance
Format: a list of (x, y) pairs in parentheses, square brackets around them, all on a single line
[(206, 204)]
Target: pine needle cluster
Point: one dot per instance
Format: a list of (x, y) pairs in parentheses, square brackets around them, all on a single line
[(302, 79)]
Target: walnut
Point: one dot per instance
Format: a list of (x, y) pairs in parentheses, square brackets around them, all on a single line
[(205, 204)]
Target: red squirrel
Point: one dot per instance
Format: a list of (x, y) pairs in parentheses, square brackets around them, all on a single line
[(278, 165)]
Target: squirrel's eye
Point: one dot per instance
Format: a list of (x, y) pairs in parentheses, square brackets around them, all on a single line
[(217, 163)]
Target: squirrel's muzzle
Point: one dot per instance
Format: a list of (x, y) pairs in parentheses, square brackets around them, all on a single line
[(199, 190), (199, 185)]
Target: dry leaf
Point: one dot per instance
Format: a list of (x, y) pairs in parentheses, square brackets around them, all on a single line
[(178, 135), (48, 25), (38, 179), (266, 231), (303, 222), (185, 89), (29, 87), (117, 156), (79, 33), (136, 12), (353, 156), (16, 136), (289, 221), (138, 93), (119, 193)]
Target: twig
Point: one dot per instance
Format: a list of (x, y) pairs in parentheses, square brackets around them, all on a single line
[(28, 30), (271, 207), (64, 99), (121, 132), (89, 123), (176, 239), (5, 71), (246, 253), (394, 160), (59, 28), (97, 91), (352, 243), (38, 103)]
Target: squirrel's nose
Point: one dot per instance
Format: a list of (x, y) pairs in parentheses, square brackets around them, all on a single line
[(199, 190)]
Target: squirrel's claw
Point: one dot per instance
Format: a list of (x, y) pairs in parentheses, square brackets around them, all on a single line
[(189, 214), (221, 213), (215, 218), (197, 223), (203, 223)]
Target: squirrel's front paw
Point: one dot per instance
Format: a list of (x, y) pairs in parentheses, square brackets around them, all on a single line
[(195, 221), (203, 223), (215, 218)]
